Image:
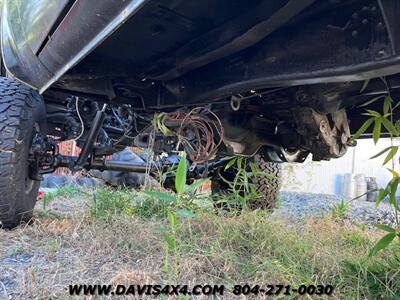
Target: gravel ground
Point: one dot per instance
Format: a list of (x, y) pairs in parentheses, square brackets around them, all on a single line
[(297, 206)]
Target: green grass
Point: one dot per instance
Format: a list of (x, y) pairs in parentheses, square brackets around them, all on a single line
[(63, 192), (256, 249), (108, 203)]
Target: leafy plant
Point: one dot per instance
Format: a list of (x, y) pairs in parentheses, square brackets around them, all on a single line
[(385, 240), (180, 205), (241, 187), (340, 209), (386, 120), (162, 174)]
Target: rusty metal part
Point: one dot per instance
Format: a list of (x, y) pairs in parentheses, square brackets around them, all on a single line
[(326, 135)]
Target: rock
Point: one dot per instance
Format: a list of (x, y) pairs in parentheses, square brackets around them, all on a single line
[(55, 180), (127, 155), (88, 182), (297, 206), (52, 181)]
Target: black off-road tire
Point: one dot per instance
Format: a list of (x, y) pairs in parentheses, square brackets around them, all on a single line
[(22, 114), (267, 187)]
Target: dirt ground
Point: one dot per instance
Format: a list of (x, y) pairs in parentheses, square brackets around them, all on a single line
[(68, 244)]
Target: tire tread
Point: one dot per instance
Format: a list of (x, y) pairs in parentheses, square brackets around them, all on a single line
[(17, 103)]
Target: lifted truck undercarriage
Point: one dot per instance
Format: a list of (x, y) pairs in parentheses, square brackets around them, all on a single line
[(282, 124), (280, 80)]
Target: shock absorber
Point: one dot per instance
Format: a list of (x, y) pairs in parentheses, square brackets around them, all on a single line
[(87, 148)]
